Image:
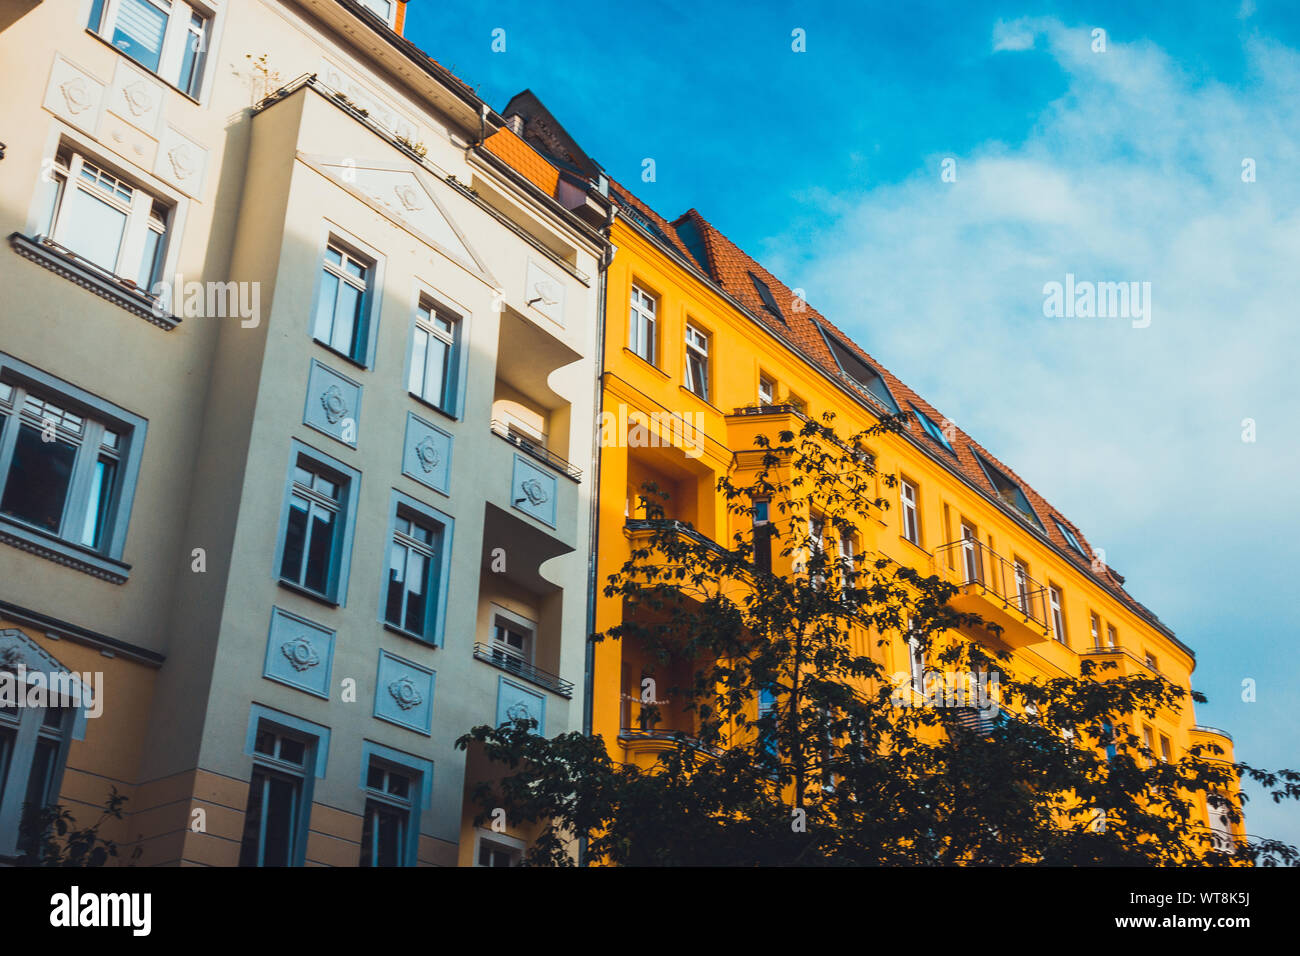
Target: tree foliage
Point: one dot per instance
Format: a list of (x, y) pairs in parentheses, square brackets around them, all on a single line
[(843, 767)]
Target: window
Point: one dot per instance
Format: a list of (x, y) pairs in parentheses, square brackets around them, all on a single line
[(848, 564), (970, 555), (166, 37), (797, 403), (1058, 616), (68, 466), (1095, 623), (911, 522), (1008, 491), (435, 356), (1151, 662), (1020, 575), (1166, 751), (106, 220), (316, 528), (1070, 537), (33, 750), (767, 717), (384, 9), (1111, 638), (386, 833), (916, 662), (1108, 739), (513, 640), (766, 390), (342, 303), (274, 823), (762, 535), (641, 331), (697, 361), (933, 430), (1148, 738), (414, 557), (499, 850), (765, 296), (860, 371)]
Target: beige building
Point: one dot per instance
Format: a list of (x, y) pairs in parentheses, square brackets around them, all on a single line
[(296, 391)]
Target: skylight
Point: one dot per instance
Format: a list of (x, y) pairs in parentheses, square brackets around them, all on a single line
[(1070, 537), (931, 429), (764, 293), (859, 371), (1007, 490)]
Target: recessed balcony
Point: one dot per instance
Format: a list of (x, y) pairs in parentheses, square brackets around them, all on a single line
[(996, 588), (519, 667)]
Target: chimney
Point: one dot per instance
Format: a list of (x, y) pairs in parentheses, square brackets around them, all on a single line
[(516, 124), (399, 24)]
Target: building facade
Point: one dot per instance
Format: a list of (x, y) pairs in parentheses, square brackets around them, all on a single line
[(704, 351), (296, 391)]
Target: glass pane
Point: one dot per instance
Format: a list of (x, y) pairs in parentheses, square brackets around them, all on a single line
[(396, 587), (418, 348), (292, 751), (195, 53), (355, 269), (92, 228), (7, 737), (330, 489), (37, 488), (375, 777), (41, 779), (320, 550), (101, 494), (303, 476), (416, 579), (346, 331), (435, 371), (139, 33), (50, 188), (421, 533), (400, 786), (295, 541), (149, 261), (264, 743), (384, 835), (333, 256), (329, 292)]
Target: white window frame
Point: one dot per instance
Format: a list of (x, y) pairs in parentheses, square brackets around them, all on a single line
[(1112, 636), (430, 315), (697, 361), (390, 18), (1094, 623), (766, 390), (499, 841), (911, 517), (970, 553), (178, 34), (642, 324), (365, 285), (68, 171), (1020, 576), (915, 661), (1055, 599), (505, 655)]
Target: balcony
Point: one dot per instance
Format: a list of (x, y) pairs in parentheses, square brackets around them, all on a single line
[(997, 589), (513, 664), (641, 530), (536, 449)]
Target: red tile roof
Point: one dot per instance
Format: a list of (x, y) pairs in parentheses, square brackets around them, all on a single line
[(730, 267)]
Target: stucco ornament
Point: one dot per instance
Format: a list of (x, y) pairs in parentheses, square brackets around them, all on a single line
[(534, 491), (139, 98), (518, 711), (405, 693), (182, 160), (300, 652), (427, 451), (76, 95), (334, 404), (409, 197)]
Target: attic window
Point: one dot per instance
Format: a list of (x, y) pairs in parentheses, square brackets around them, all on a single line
[(933, 430), (1069, 537), (764, 293), (691, 238), (1007, 490), (859, 371)]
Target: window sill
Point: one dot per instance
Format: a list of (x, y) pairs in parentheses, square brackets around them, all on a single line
[(410, 635), (646, 362), (90, 277), (343, 355), (307, 592), (62, 552), (912, 544), (450, 416), (702, 400)]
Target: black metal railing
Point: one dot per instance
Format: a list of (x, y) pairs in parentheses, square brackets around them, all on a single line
[(1207, 729), (672, 524), (537, 450), (512, 664), (971, 562)]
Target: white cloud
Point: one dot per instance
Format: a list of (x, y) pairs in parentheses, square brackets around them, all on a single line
[(1134, 173)]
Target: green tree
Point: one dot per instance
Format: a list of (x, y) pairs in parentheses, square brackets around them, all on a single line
[(842, 767), (48, 836)]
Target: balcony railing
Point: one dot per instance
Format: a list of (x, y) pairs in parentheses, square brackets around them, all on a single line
[(512, 664), (536, 449), (1206, 729), (672, 524), (972, 564)]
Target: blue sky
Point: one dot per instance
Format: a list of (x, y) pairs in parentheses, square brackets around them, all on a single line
[(1120, 165)]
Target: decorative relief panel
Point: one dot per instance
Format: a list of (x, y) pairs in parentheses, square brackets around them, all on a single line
[(386, 116), (127, 141), (517, 702), (74, 95), (532, 491), (404, 693), (136, 98), (544, 292), (181, 162), (333, 404), (299, 653), (426, 454)]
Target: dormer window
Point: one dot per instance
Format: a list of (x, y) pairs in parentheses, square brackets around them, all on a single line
[(859, 371), (933, 430), (1010, 492), (769, 300), (1070, 537)]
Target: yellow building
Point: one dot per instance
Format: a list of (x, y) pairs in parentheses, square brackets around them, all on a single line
[(706, 349)]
